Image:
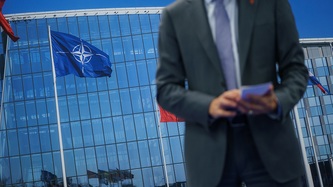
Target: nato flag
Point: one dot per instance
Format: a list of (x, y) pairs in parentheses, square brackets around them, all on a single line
[(73, 55)]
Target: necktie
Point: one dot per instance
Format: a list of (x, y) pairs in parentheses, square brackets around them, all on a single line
[(224, 44)]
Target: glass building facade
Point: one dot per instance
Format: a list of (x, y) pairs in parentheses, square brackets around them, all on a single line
[(110, 127)]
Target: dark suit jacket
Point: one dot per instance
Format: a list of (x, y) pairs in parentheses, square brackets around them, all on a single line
[(268, 41)]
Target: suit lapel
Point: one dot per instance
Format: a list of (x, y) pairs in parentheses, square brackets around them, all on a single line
[(247, 13), (203, 32)]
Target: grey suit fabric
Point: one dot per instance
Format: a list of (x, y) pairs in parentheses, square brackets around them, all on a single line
[(268, 43)]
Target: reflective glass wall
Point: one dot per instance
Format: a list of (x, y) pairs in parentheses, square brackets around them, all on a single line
[(316, 113), (110, 130)]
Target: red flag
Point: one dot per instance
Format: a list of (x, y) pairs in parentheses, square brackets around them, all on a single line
[(5, 25), (166, 116)]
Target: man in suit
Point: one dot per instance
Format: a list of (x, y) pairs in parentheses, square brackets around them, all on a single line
[(229, 140)]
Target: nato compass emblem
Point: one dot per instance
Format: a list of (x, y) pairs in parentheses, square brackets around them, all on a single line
[(82, 54)]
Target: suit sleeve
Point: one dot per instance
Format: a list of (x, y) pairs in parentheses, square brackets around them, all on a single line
[(290, 58), (171, 76)]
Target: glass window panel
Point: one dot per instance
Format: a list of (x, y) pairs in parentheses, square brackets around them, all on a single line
[(45, 141), (102, 84), (135, 24), (143, 74), (104, 26), (63, 109), (45, 56), (108, 130), (148, 178), (36, 166), (73, 107), (104, 104), (145, 23), (26, 169), (21, 118), (150, 125), (125, 101), (23, 139), (62, 24), (91, 85), (98, 132), (32, 34), (81, 85), (129, 128), (25, 60), (48, 162), (119, 129), (176, 149), (114, 25), (87, 133), (132, 74), (5, 170), (146, 99), (94, 105), (42, 115), (139, 50), (128, 48), (122, 75), (80, 162), (57, 164), (155, 22), (123, 156), (66, 136), (151, 65), (84, 106), (91, 159), (34, 140), (111, 151), (144, 153), (149, 45), (167, 151), (118, 50), (69, 163), (133, 153), (51, 110), (76, 134), (61, 86), (140, 126), (54, 137), (31, 113), (112, 82), (137, 180), (15, 167), (155, 152), (10, 119), (115, 102), (159, 177), (14, 61), (171, 174), (83, 28), (102, 163), (94, 27), (155, 38), (108, 49), (136, 100), (180, 173), (49, 88), (17, 88), (70, 85), (124, 24), (13, 143), (36, 64)]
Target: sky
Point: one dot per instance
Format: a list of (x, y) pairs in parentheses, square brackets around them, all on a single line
[(313, 17)]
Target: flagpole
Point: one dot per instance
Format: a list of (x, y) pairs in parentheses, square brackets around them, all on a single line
[(57, 111), (314, 149), (162, 147), (301, 141), (2, 99)]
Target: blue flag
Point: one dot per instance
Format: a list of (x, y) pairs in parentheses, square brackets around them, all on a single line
[(73, 55)]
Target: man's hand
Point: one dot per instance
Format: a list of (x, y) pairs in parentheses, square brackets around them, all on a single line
[(255, 104), (225, 105)]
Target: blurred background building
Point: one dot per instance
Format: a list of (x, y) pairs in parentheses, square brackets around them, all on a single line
[(110, 126)]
